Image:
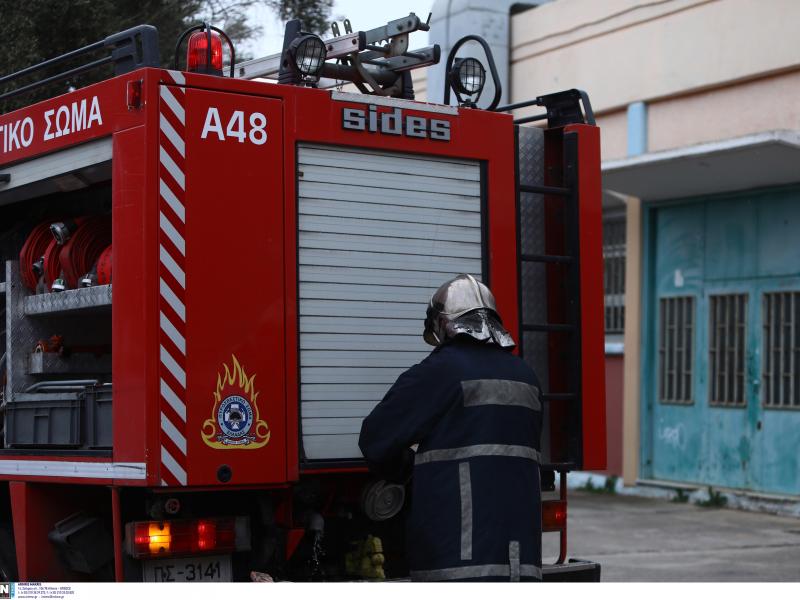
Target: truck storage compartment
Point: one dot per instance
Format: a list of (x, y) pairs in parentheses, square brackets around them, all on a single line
[(58, 343), (378, 233)]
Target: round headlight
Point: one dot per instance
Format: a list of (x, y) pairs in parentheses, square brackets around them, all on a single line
[(308, 54), (468, 75)]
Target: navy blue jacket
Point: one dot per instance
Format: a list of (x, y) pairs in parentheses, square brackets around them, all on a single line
[(474, 409)]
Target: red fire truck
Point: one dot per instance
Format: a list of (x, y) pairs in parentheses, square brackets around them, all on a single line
[(271, 247)]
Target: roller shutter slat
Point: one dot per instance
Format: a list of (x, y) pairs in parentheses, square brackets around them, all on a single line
[(391, 197), (375, 227), (341, 308), (402, 214), (379, 180), (366, 243), (376, 161)]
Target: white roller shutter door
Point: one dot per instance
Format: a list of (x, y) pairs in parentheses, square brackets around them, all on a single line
[(378, 233)]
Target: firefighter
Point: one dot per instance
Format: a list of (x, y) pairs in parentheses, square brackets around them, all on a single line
[(473, 411)]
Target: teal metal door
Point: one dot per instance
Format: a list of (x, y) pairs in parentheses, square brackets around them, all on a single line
[(721, 393)]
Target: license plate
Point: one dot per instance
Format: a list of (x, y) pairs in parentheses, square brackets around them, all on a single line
[(207, 568)]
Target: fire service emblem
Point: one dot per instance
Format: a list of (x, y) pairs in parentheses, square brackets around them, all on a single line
[(235, 420)]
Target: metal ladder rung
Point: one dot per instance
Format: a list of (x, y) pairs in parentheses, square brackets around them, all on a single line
[(557, 397), (548, 327), (547, 258), (545, 189)]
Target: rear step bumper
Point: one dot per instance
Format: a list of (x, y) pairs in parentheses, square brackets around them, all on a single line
[(574, 570)]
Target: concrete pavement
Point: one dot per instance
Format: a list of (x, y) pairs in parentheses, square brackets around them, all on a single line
[(645, 539)]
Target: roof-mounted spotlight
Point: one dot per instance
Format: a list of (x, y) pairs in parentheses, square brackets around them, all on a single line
[(307, 56), (467, 76)]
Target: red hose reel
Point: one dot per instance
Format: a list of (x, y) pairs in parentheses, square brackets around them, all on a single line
[(31, 257), (65, 254), (104, 267)]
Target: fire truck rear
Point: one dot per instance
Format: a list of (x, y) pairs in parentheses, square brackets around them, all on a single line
[(209, 279)]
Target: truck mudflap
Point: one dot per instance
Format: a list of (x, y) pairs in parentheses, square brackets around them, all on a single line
[(575, 569)]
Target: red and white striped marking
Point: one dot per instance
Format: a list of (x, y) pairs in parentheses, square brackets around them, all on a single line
[(172, 284)]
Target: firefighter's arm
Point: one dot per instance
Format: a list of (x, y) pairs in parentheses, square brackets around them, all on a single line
[(404, 417)]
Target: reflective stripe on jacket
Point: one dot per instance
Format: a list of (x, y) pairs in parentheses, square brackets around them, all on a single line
[(474, 409)]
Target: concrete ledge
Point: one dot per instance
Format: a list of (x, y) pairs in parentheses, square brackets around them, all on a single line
[(752, 161), (776, 504)]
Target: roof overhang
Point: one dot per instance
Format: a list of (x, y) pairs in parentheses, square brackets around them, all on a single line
[(760, 160)]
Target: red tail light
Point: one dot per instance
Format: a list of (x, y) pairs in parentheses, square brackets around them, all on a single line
[(554, 515), (150, 539), (197, 57)]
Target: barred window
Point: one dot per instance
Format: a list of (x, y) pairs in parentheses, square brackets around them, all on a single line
[(614, 272), (726, 349), (781, 361), (676, 349)]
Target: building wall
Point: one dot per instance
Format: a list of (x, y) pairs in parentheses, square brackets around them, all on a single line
[(703, 71), (614, 380), (708, 69)]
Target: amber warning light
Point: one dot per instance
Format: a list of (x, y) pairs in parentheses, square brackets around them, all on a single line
[(148, 539)]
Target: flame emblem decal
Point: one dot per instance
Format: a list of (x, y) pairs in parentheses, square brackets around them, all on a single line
[(235, 422)]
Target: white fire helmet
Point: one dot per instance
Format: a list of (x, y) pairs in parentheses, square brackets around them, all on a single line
[(464, 306)]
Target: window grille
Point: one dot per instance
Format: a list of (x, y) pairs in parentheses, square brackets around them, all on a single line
[(781, 359), (676, 350), (614, 272), (726, 349)]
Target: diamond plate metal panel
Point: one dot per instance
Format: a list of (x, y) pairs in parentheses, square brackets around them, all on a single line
[(531, 172), (532, 241), (69, 300), (531, 156)]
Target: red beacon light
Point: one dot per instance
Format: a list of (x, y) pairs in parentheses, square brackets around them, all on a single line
[(204, 50), (197, 56)]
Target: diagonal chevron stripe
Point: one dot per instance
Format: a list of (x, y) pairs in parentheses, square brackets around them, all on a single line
[(173, 427), (175, 435), (172, 465), (172, 168), (173, 300), (172, 399), (173, 334), (172, 233), (178, 77), (174, 105), (168, 130), (172, 266), (173, 367), (172, 200)]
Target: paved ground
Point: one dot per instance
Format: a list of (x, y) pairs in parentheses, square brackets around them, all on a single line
[(643, 539)]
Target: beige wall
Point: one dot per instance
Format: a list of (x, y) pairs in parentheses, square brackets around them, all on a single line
[(733, 111), (621, 51), (613, 134)]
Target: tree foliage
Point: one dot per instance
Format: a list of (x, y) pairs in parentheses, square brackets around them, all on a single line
[(36, 30), (315, 14)]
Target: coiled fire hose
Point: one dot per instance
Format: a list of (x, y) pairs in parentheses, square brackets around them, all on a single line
[(31, 257), (51, 268), (103, 267), (81, 251), (62, 252)]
